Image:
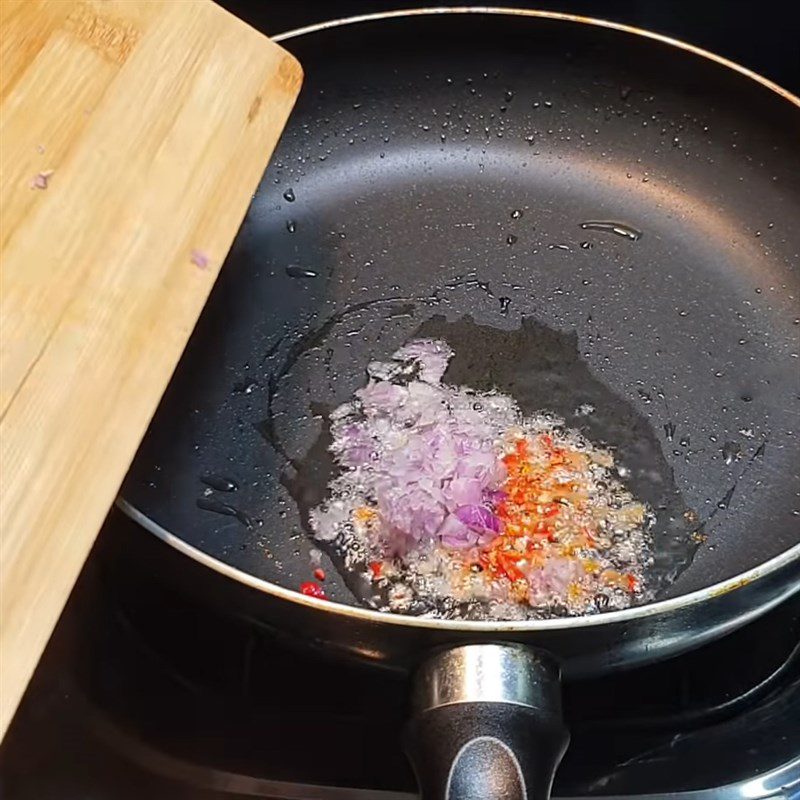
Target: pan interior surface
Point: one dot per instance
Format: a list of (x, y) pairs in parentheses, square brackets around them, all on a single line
[(459, 171)]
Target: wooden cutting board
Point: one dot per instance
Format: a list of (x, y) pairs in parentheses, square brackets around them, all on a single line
[(133, 134)]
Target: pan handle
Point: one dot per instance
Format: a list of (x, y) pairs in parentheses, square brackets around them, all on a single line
[(487, 724)]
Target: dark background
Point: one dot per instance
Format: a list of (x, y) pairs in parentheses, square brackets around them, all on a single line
[(763, 35)]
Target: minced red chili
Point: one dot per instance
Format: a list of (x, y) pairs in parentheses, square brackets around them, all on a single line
[(313, 589)]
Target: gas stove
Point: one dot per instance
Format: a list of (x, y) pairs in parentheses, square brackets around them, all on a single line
[(144, 693)]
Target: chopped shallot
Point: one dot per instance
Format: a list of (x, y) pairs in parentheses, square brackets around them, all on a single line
[(41, 179), (451, 496), (200, 258)]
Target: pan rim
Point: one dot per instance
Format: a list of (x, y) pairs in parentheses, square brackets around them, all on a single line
[(501, 626), (538, 14), (658, 608)]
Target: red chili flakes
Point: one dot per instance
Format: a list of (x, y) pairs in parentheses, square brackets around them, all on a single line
[(551, 509), (312, 589), (319, 574), (376, 568)]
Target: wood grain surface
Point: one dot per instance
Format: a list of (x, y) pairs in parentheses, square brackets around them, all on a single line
[(133, 134)]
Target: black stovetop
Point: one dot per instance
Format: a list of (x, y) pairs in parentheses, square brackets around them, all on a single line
[(143, 693)]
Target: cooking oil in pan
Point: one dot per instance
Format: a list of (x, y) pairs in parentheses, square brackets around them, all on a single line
[(617, 228), (541, 370)]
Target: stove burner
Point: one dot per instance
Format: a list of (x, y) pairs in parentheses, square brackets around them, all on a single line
[(144, 691)]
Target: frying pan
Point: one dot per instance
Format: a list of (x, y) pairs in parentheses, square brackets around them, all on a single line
[(391, 210)]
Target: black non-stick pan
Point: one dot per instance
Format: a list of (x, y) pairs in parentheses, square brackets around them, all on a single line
[(588, 214)]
